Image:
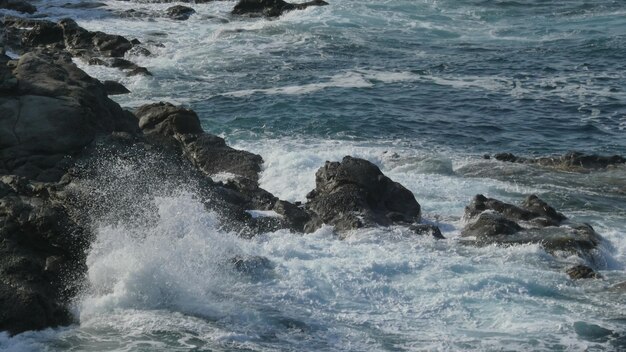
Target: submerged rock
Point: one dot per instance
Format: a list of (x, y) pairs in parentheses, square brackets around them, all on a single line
[(582, 272), (572, 161), (354, 193), (271, 8), (179, 12), (428, 230)]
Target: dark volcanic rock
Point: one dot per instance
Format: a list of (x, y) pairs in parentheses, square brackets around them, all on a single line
[(179, 12), (115, 88), (428, 230), (354, 193), (573, 161), (18, 5), (53, 98), (207, 152), (494, 222), (271, 8), (42, 254), (490, 224), (532, 209), (582, 272)]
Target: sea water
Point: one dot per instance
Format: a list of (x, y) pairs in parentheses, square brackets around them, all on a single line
[(422, 88)]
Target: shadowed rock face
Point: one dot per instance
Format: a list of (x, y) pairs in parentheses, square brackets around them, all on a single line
[(573, 161), (179, 12), (354, 193), (271, 8), (41, 256)]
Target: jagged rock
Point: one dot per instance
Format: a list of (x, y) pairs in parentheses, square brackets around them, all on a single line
[(532, 209), (494, 222), (271, 8), (490, 224), (572, 161), (582, 272), (18, 5), (207, 152), (354, 193), (53, 98), (114, 88), (428, 230), (179, 12), (42, 251)]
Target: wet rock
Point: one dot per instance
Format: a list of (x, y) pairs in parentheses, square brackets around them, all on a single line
[(179, 12), (43, 252), (427, 230), (114, 88), (572, 161), (54, 98), (43, 33), (532, 209), (138, 71), (491, 221), (207, 152), (84, 5), (18, 5), (582, 272), (354, 193), (271, 8), (490, 224), (251, 264), (82, 42)]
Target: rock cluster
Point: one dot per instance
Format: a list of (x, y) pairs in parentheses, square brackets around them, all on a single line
[(491, 221), (573, 161)]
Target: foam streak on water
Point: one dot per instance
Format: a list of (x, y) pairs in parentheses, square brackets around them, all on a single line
[(422, 89)]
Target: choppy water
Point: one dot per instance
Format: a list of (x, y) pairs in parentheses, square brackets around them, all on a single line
[(439, 83)]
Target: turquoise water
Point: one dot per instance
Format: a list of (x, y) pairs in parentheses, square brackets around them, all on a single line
[(438, 83)]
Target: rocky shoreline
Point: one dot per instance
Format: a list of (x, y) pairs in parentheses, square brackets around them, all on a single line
[(58, 123)]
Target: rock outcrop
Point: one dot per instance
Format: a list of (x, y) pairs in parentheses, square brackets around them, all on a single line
[(354, 193), (573, 161), (582, 272), (491, 221), (42, 251), (52, 112), (206, 151), (97, 48), (271, 8)]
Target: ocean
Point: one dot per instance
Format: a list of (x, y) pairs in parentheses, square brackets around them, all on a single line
[(422, 88)]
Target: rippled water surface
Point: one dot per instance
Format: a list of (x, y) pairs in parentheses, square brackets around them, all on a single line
[(421, 88)]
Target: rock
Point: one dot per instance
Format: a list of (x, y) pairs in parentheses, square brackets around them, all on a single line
[(84, 5), (138, 71), (42, 252), (207, 152), (532, 209), (43, 33), (572, 161), (54, 98), (114, 88), (18, 5), (582, 272), (82, 42), (491, 221), (428, 230), (490, 224), (354, 193), (270, 8), (179, 12)]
